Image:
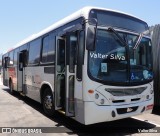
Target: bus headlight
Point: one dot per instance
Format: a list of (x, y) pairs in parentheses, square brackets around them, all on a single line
[(151, 91), (102, 101), (96, 96), (147, 97)]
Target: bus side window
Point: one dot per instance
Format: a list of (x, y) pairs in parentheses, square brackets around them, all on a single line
[(48, 49), (61, 56), (72, 44), (34, 52), (23, 59), (10, 59), (15, 56)]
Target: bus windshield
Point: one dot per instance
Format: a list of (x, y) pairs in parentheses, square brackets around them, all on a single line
[(113, 62), (118, 20)]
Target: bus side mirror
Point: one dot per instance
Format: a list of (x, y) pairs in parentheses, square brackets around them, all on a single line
[(91, 38), (22, 59), (25, 58)]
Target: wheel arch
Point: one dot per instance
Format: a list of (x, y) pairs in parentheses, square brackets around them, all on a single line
[(45, 85)]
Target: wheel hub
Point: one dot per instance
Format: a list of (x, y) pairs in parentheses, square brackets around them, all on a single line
[(48, 102)]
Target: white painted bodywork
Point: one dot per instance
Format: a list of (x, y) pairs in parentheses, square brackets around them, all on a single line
[(34, 78), (90, 110), (95, 112)]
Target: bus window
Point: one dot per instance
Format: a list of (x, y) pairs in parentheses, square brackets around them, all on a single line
[(11, 58), (61, 56), (34, 52), (45, 49), (72, 52), (48, 49), (15, 56), (51, 48)]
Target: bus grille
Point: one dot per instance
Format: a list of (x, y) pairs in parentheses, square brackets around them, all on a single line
[(126, 110), (125, 92)]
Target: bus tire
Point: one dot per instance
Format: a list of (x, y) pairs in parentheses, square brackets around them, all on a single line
[(11, 91), (48, 102)]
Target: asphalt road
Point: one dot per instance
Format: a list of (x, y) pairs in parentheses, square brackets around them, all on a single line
[(18, 112)]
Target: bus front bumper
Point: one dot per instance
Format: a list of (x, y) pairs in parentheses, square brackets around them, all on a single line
[(95, 114)]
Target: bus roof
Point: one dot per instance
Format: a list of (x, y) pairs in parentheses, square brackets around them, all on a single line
[(80, 13)]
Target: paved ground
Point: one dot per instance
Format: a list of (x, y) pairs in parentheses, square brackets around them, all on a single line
[(1, 81), (17, 111)]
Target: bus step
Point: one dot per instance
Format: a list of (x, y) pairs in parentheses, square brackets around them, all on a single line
[(21, 93), (61, 111)]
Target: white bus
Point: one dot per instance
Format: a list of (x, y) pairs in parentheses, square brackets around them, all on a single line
[(93, 66)]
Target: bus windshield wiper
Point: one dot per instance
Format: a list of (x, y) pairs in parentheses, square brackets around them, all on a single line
[(118, 36), (138, 41)]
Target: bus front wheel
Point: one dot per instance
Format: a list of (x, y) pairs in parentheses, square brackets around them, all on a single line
[(48, 104)]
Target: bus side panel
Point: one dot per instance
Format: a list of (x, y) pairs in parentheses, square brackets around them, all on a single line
[(14, 79), (33, 79)]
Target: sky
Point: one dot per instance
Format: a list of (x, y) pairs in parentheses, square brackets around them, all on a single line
[(21, 18)]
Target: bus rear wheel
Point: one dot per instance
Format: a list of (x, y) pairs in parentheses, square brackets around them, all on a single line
[(48, 104)]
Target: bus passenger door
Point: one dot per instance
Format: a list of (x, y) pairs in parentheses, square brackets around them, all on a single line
[(5, 71), (71, 45), (65, 73), (20, 69), (59, 94)]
